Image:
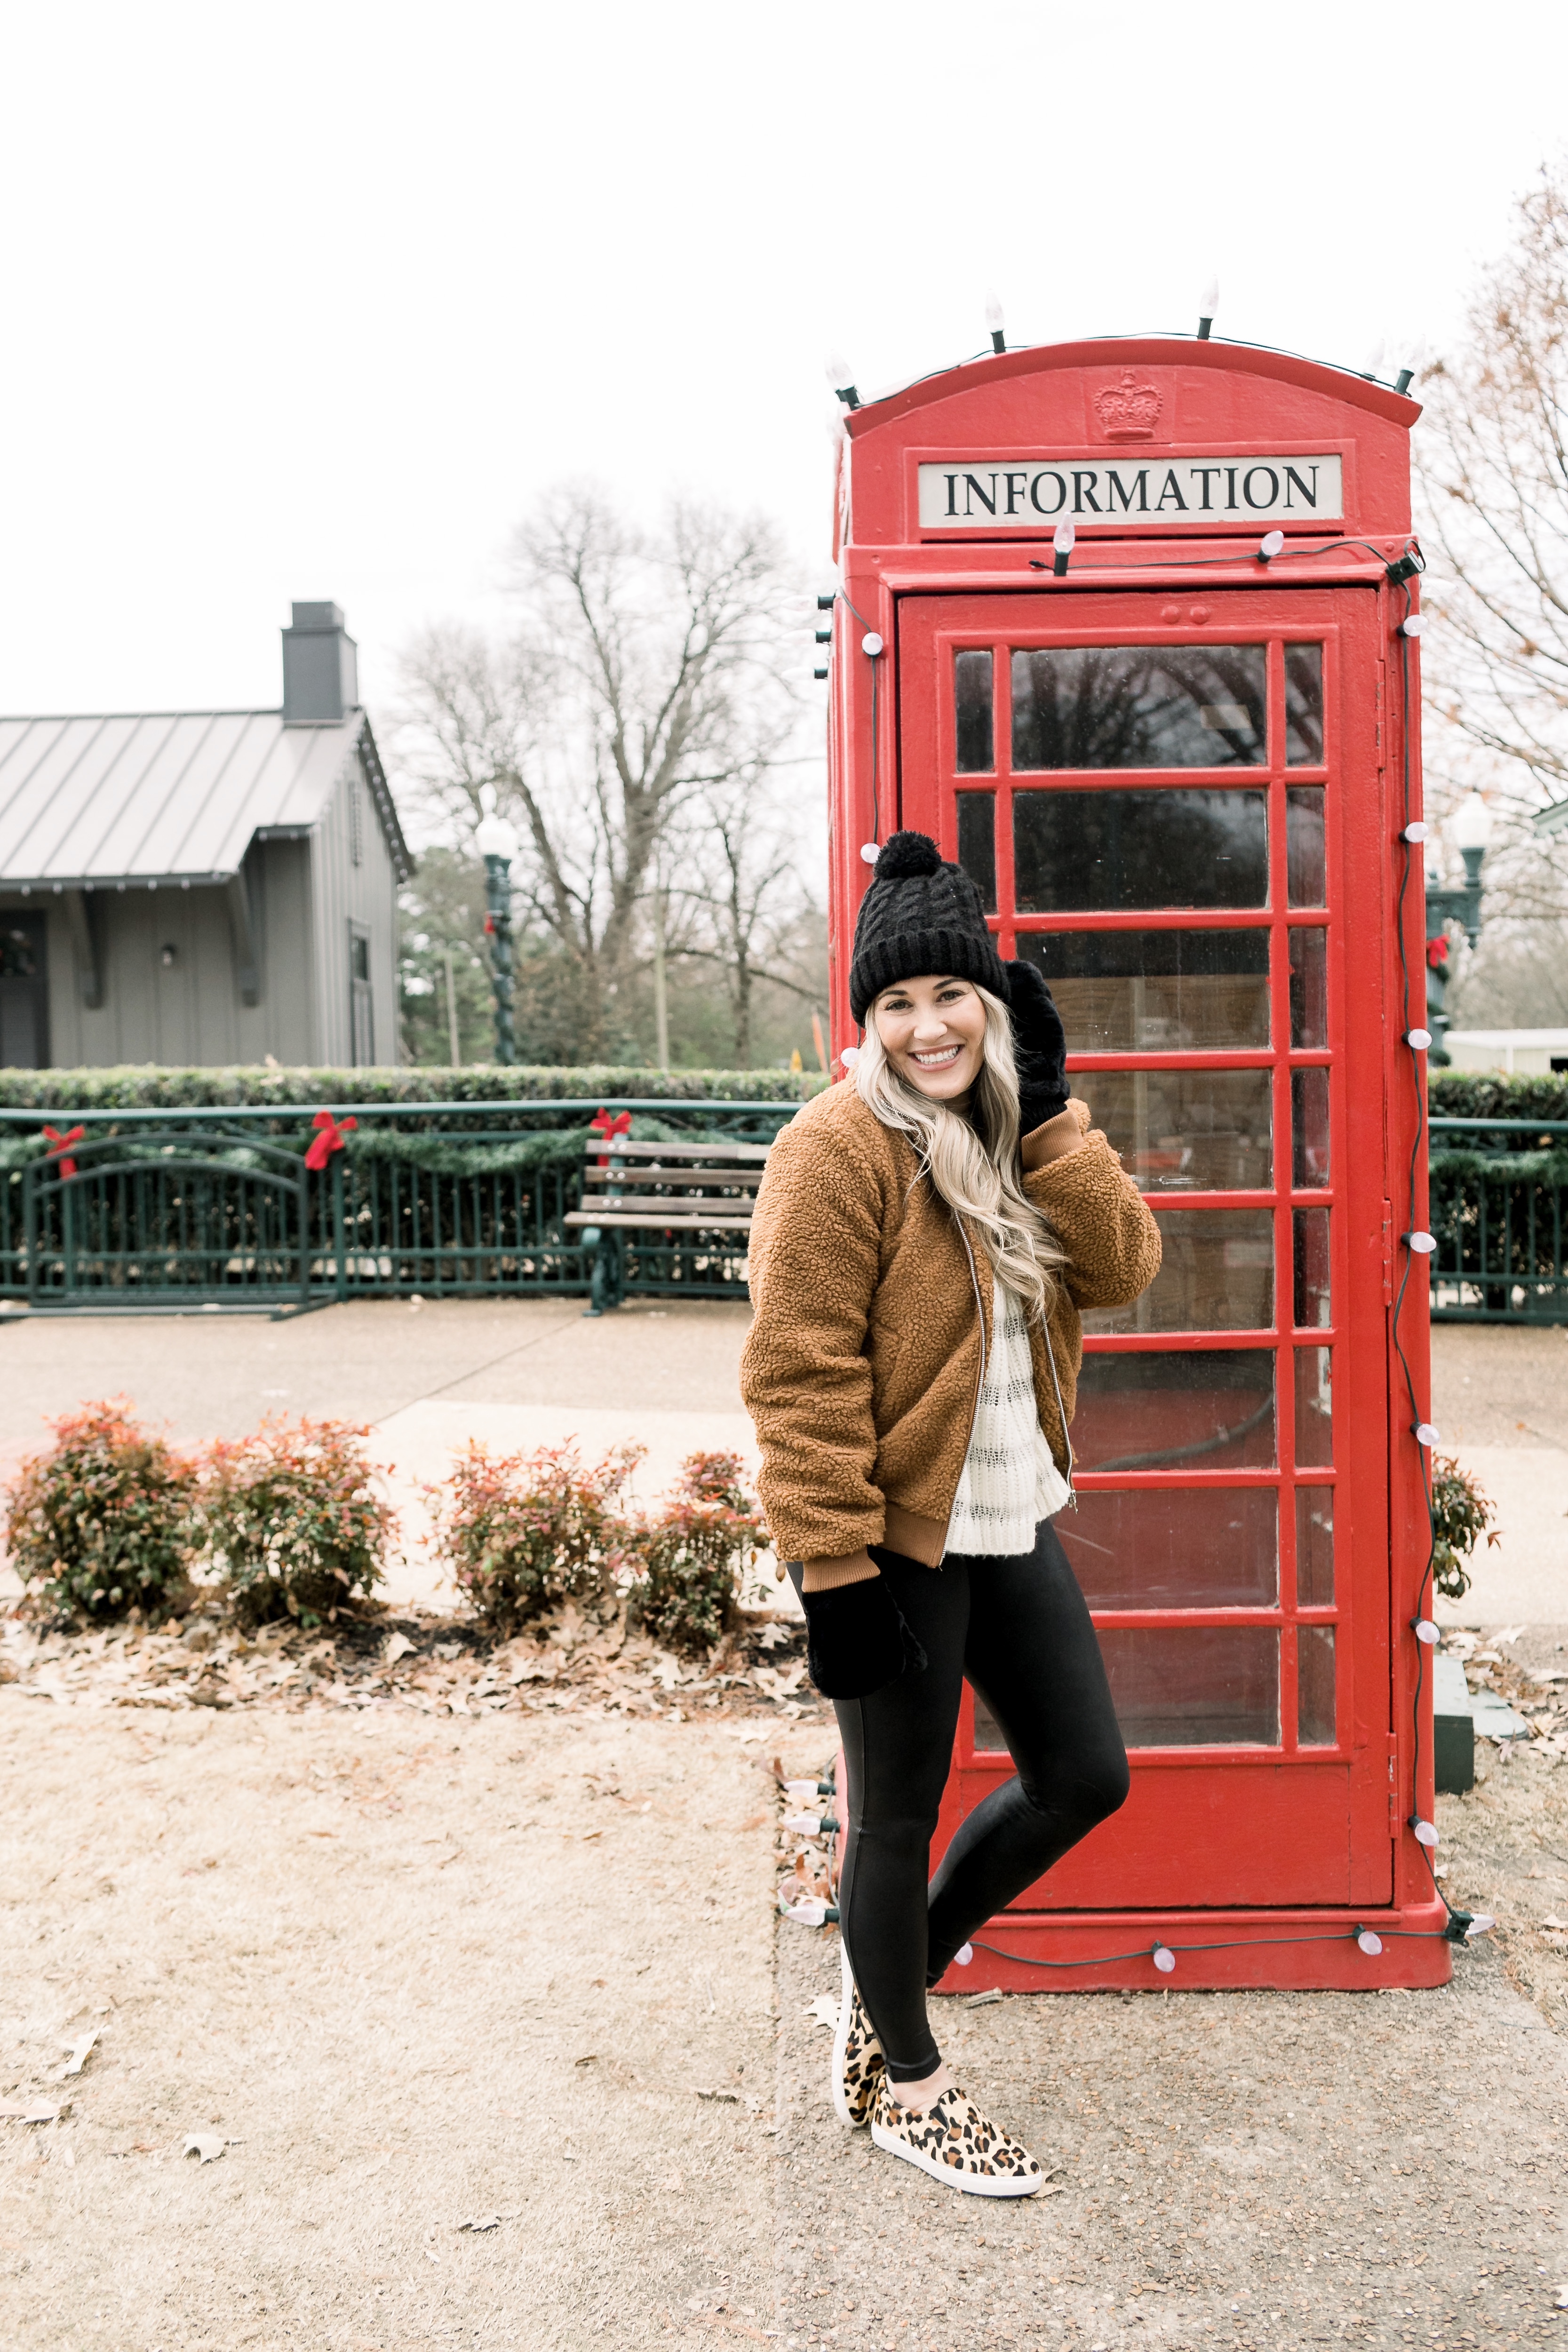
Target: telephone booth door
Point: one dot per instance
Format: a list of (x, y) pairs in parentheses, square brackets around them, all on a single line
[(1163, 806)]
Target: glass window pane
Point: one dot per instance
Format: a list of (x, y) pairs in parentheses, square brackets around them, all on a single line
[(971, 675), (1180, 991), (1315, 1686), (1304, 706), (1160, 1409), (1314, 1409), (1188, 1130), (1112, 851), (1139, 706), (1195, 1685), (1307, 872), (1309, 989), (1217, 1276), (977, 843), (1313, 1304), (1308, 1129), (1174, 1547), (1314, 1546)]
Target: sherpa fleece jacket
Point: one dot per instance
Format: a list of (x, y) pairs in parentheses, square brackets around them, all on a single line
[(873, 1312)]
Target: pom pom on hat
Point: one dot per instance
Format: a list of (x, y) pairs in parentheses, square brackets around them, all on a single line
[(908, 853)]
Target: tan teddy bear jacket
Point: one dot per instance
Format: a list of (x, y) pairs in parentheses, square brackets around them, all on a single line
[(873, 1306)]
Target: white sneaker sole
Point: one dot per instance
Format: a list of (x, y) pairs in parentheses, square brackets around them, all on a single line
[(972, 2184), (841, 2039)]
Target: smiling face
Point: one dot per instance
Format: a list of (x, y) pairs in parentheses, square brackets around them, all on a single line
[(932, 1030)]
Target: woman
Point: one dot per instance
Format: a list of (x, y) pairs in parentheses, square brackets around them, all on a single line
[(923, 1239)]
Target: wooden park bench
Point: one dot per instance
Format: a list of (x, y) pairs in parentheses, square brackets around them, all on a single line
[(679, 1190)]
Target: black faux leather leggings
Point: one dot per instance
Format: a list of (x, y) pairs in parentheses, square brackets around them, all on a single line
[(1019, 1629)]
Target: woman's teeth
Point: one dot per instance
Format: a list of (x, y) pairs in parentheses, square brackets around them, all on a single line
[(941, 1060)]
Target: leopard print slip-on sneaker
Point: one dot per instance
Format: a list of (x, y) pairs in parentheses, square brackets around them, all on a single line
[(857, 2064), (951, 2140)]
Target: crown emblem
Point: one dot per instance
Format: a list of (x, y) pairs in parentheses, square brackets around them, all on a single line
[(1128, 411)]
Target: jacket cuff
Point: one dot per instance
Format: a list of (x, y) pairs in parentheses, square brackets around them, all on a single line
[(827, 1575), (1056, 1137)]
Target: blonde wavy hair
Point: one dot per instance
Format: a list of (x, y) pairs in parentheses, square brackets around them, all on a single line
[(974, 1161)]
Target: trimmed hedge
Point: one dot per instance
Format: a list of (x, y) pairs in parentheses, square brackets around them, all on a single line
[(143, 1086), (1486, 1093)]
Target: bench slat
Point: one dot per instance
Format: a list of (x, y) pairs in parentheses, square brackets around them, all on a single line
[(690, 1179), (659, 1224), (749, 1154)]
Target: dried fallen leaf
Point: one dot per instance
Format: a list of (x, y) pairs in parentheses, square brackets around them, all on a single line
[(979, 2000), (724, 2098), (79, 2052), (33, 2111), (399, 1645), (481, 2221), (592, 2059), (824, 2009), (208, 2145)]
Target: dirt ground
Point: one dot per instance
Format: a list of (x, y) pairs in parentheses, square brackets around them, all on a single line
[(425, 1950)]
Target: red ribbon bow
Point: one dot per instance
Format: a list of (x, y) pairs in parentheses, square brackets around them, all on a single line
[(1436, 954), (61, 1147), (608, 1129), (332, 1137)]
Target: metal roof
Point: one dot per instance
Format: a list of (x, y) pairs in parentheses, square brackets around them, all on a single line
[(170, 795)]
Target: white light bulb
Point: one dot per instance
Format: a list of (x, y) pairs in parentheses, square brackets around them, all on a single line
[(1422, 1243), (1208, 300), (1470, 826), (1412, 625), (1270, 545), (995, 318), (803, 1825), (837, 371), (964, 1955), (1416, 832), (871, 643), (1425, 1434), (1063, 538), (1481, 1924), (869, 852), (1426, 1631), (1369, 1942), (849, 1057), (1425, 1834), (1418, 1040), (1164, 1959)]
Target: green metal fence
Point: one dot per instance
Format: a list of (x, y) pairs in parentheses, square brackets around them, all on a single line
[(1497, 1189), (152, 1211)]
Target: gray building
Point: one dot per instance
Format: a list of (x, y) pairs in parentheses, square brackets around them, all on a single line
[(204, 886)]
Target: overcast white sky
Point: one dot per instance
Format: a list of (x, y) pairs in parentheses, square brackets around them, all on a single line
[(311, 301)]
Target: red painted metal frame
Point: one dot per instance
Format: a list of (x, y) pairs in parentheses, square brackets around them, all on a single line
[(918, 592)]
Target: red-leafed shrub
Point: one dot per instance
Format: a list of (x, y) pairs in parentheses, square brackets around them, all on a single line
[(105, 1522), (1462, 1512), (694, 1555), (295, 1526), (523, 1531)]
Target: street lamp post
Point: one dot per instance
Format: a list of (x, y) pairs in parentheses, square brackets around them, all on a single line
[(1469, 829), (496, 841)]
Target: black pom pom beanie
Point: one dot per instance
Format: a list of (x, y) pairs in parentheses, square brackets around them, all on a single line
[(920, 916)]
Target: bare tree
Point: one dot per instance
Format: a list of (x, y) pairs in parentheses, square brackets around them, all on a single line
[(643, 672), (1492, 469), (745, 890)]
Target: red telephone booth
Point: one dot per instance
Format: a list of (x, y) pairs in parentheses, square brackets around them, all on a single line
[(1179, 770)]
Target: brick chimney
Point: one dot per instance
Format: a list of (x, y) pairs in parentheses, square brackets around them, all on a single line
[(320, 668)]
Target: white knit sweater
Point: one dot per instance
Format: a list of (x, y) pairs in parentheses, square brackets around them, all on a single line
[(1010, 1481)]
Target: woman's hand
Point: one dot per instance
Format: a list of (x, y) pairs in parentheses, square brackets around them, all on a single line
[(856, 1638), (1039, 1047)]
